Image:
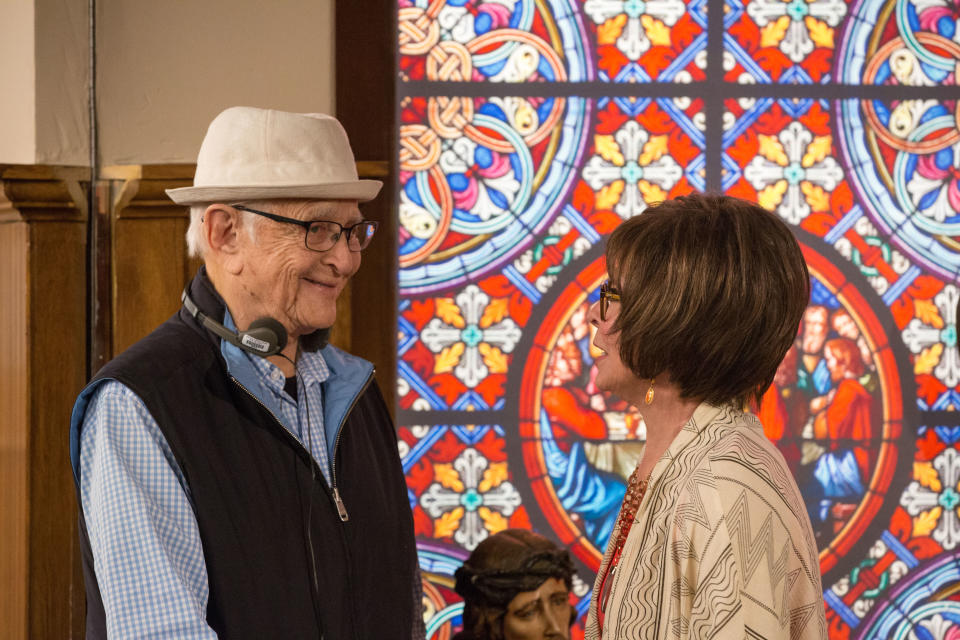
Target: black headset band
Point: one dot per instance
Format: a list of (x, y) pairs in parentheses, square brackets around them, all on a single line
[(266, 336)]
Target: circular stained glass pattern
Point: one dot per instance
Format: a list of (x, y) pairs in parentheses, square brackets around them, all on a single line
[(835, 412), (481, 177), (904, 155), (924, 605), (493, 41), (442, 607)]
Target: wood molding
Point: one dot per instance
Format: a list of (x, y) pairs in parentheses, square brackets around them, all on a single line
[(375, 169), (140, 190), (32, 193), (43, 218)]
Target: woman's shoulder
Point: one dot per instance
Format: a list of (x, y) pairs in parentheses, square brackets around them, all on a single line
[(740, 455), (731, 425), (730, 435), (729, 453)]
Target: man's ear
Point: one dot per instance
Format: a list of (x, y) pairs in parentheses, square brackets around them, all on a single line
[(221, 227)]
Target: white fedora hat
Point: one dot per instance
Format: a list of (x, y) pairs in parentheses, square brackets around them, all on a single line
[(255, 154)]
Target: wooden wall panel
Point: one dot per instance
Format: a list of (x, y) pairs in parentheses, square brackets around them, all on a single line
[(150, 269), (58, 373), (43, 337), (13, 434), (149, 266)]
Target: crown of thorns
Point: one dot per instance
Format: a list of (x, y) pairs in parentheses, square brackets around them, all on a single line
[(497, 587)]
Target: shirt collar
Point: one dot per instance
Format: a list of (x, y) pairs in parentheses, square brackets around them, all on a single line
[(310, 365)]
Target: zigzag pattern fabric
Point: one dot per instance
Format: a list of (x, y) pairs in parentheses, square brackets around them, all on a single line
[(721, 546)]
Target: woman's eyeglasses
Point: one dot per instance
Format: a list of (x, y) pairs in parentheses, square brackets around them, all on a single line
[(607, 293)]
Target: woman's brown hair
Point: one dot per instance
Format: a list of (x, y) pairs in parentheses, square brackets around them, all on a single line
[(712, 291)]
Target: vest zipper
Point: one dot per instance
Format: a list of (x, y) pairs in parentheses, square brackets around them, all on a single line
[(342, 508), (337, 500), (288, 435)]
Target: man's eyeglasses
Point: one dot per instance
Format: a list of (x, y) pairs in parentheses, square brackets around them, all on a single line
[(607, 293), (322, 235)]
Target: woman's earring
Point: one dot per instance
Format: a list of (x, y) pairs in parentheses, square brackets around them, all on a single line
[(649, 397)]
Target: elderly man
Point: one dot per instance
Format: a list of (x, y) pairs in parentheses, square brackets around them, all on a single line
[(238, 477)]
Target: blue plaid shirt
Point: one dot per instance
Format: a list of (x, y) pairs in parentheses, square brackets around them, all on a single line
[(144, 537)]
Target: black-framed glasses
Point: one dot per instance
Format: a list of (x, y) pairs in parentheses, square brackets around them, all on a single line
[(607, 293), (322, 235)]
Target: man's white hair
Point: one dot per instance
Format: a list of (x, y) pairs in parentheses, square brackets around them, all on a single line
[(196, 241)]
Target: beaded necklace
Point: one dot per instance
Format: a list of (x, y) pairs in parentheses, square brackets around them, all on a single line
[(636, 488)]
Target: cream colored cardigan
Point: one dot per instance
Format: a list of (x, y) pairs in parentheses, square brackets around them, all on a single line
[(721, 546)]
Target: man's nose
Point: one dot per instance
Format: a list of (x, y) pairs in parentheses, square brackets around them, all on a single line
[(339, 255)]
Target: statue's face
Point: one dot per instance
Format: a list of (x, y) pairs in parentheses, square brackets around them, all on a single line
[(541, 614)]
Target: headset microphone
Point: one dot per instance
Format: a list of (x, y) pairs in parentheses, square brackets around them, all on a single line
[(265, 337)]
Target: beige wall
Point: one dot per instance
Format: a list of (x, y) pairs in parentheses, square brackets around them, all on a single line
[(17, 89), (166, 68), (62, 81), (43, 79)]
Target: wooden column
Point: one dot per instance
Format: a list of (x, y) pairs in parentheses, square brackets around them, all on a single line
[(365, 45), (43, 218)]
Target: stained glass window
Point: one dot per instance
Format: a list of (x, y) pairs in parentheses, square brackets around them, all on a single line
[(529, 129)]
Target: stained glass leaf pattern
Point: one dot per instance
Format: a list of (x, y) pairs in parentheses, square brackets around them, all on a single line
[(928, 313), (657, 32), (773, 33), (449, 358), (820, 32), (447, 523), (449, 312), (493, 476), (926, 475), (817, 150), (928, 359), (816, 197), (772, 149), (494, 313), (448, 477), (926, 522), (608, 149), (493, 521), (493, 358)]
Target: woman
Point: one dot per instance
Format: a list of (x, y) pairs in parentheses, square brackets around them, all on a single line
[(516, 586), (713, 539)]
